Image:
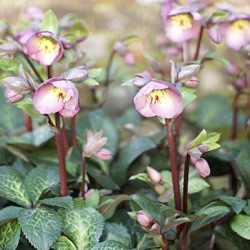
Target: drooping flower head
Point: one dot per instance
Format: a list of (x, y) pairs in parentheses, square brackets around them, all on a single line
[(158, 98), (182, 23), (236, 31), (94, 146), (57, 95), (44, 47)]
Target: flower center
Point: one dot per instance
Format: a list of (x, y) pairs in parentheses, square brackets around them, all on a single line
[(47, 44), (156, 96), (240, 24), (61, 95), (183, 21)]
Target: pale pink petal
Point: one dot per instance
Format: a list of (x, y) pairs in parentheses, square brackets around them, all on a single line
[(202, 167)]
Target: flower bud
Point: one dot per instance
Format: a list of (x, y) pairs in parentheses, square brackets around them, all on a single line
[(76, 74), (12, 96), (192, 82), (203, 147), (17, 84), (144, 218), (154, 175), (188, 71), (202, 167)]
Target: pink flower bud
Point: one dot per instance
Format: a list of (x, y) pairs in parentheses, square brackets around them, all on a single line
[(192, 82), (12, 96), (104, 154), (202, 167), (154, 175), (144, 218)]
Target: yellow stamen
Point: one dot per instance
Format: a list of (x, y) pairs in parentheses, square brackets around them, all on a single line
[(239, 24), (48, 44), (183, 21), (61, 94), (156, 96)]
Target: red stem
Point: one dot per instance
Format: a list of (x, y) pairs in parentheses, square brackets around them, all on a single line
[(65, 139), (173, 163), (198, 45), (27, 122), (61, 158), (83, 191), (73, 131), (164, 245), (185, 184), (235, 116)]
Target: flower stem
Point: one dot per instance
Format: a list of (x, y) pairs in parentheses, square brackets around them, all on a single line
[(235, 116), (61, 158), (185, 184), (164, 245), (173, 163), (83, 191), (73, 131), (65, 139), (32, 67), (108, 68), (27, 122), (198, 45), (49, 71)]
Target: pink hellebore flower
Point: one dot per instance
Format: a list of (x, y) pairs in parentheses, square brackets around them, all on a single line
[(182, 23), (44, 47), (158, 98), (12, 96), (57, 95), (94, 144), (236, 31)]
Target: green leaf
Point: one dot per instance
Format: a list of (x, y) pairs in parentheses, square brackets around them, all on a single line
[(117, 232), (130, 39), (199, 139), (26, 104), (41, 179), (83, 226), (63, 243), (9, 235), (93, 199), (41, 226), (241, 225), (50, 22), (77, 31), (128, 82), (236, 203), (110, 245), (109, 205), (29, 140), (196, 185), (127, 155), (90, 82), (12, 187), (140, 176), (11, 116), (62, 202), (9, 213), (243, 159), (188, 95), (93, 73), (7, 64)]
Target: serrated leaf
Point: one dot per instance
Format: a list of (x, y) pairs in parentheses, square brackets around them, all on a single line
[(236, 203), (63, 243), (62, 202), (196, 185), (241, 225), (50, 22), (40, 179), (110, 245), (9, 235), (127, 155), (12, 187), (93, 73), (83, 226), (41, 226), (9, 213), (26, 104)]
